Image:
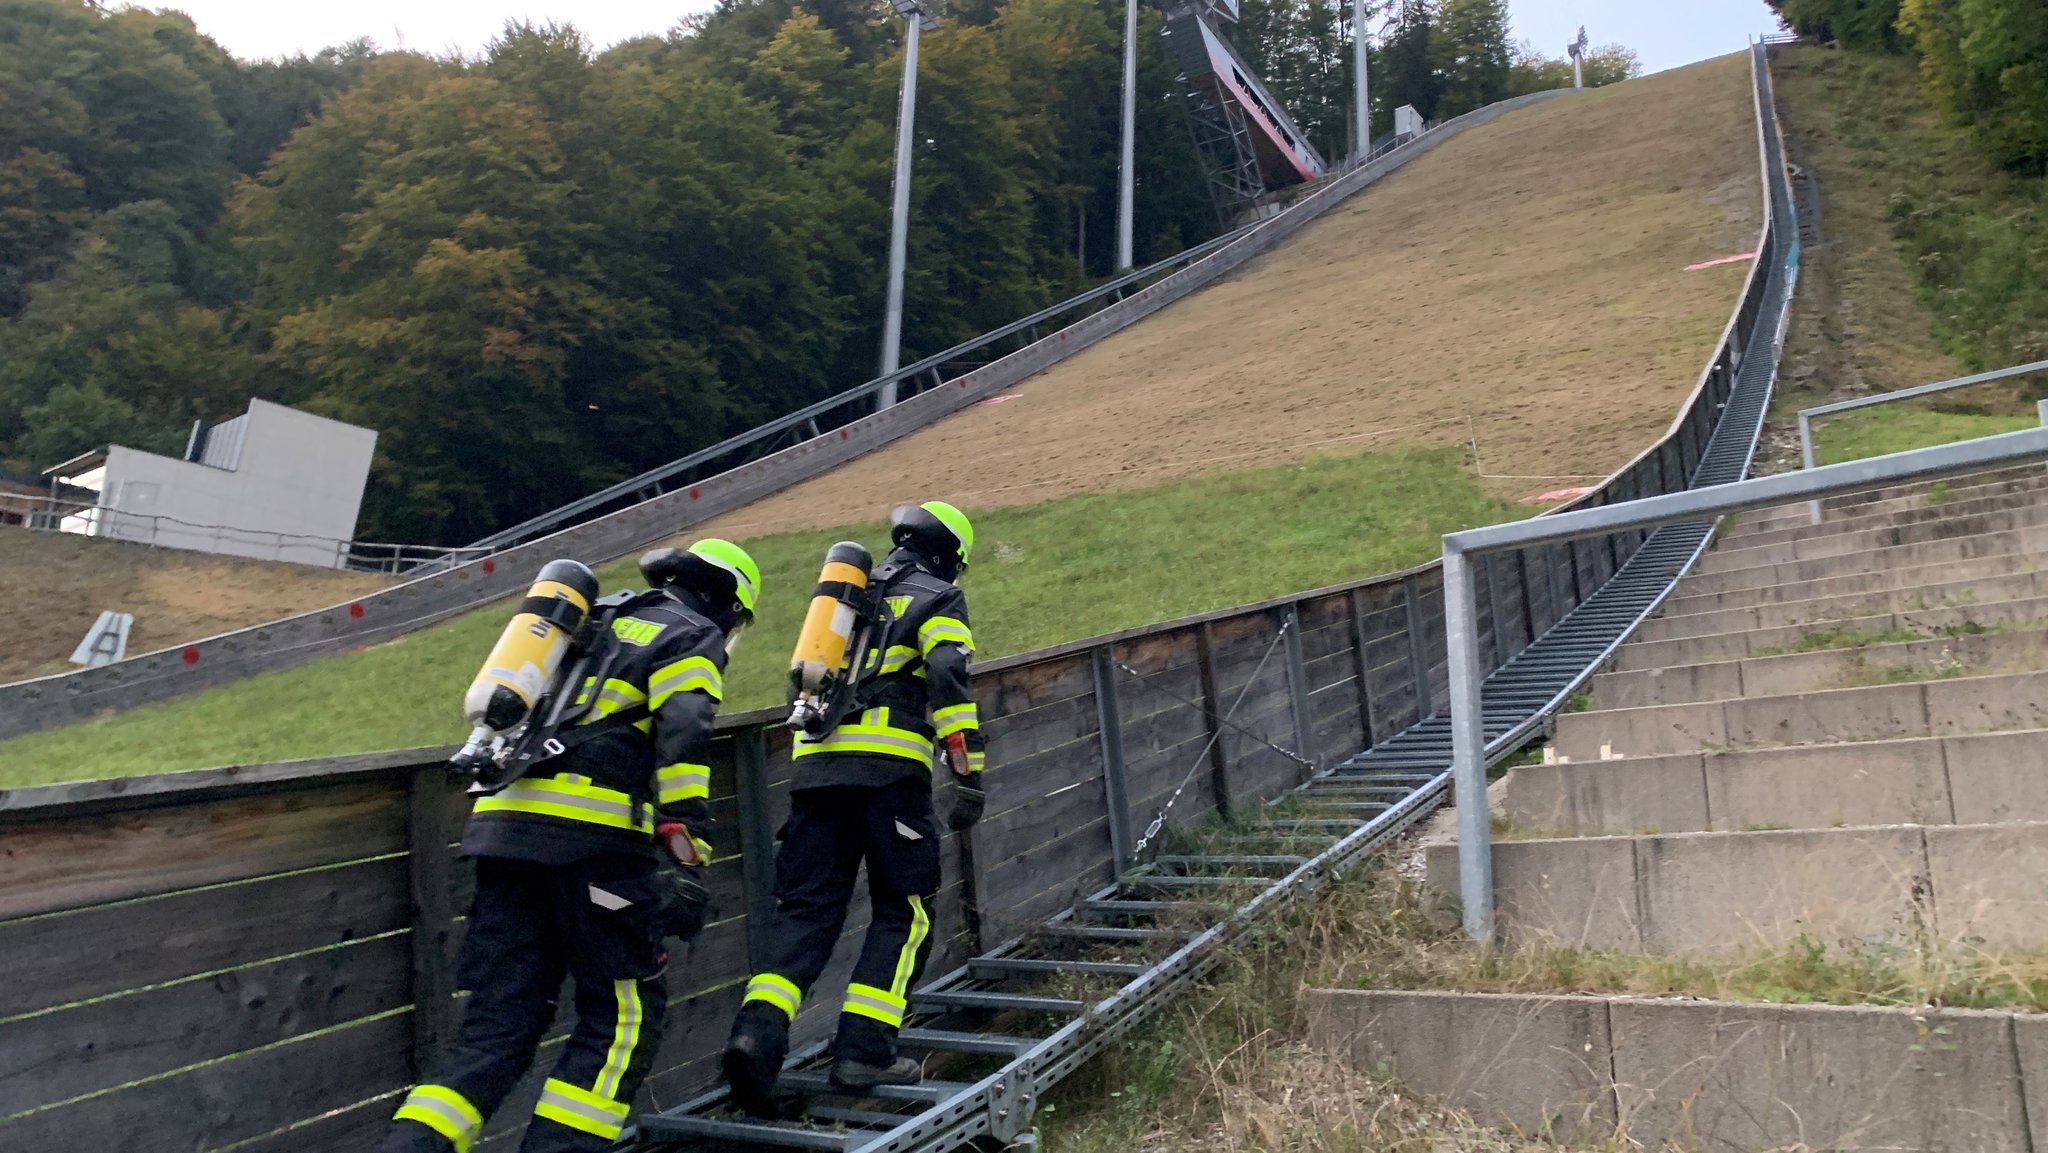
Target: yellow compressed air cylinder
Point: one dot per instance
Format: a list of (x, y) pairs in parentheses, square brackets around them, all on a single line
[(821, 647), (530, 649)]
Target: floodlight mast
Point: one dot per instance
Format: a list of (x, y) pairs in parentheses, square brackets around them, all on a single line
[(1361, 112), (1125, 175), (1577, 49), (899, 226)]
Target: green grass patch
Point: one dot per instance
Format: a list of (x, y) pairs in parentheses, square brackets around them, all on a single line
[(1840, 638), (1894, 428), (1043, 574)]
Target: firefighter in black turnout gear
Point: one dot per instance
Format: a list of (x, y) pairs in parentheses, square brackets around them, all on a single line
[(586, 862), (862, 791)]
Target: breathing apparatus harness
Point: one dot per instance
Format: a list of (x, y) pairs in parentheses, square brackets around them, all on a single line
[(552, 730)]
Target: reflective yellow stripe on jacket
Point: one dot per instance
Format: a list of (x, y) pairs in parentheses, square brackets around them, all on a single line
[(682, 782), (570, 797), (873, 734), (943, 630), (956, 719), (615, 695), (686, 675)]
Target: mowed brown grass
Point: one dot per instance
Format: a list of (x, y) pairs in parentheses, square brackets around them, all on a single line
[(59, 585), (1522, 285)]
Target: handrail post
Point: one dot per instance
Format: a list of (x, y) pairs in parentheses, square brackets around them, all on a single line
[(1468, 747), (1806, 455), (1115, 790)]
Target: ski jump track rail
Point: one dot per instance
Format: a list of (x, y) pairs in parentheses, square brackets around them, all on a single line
[(1406, 776), (48, 702)]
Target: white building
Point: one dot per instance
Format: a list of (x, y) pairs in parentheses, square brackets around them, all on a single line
[(274, 483)]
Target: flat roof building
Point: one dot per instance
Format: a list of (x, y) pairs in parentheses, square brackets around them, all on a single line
[(274, 483)]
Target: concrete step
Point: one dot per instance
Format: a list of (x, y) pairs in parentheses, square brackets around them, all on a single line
[(1882, 580), (1728, 646), (1739, 556), (2033, 483), (1964, 886), (1982, 778), (2031, 542), (1897, 496), (1713, 1076), (1821, 611), (1976, 655), (1946, 510), (1879, 712)]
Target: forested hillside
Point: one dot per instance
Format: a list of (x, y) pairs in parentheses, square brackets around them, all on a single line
[(1961, 164), (546, 268)]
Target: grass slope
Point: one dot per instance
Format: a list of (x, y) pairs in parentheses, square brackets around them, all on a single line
[(1523, 284), (1054, 572), (66, 581)]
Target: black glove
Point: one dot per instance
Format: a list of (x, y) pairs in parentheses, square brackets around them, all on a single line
[(685, 902), (968, 802)]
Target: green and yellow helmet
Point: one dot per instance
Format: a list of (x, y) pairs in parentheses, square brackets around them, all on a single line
[(717, 569), (936, 531)]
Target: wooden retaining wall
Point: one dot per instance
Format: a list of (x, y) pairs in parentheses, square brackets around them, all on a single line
[(256, 957)]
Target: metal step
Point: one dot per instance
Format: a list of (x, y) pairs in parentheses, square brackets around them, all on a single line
[(987, 999), (1071, 931), (1240, 861), (818, 1085), (667, 1127), (995, 968), (1132, 908), (952, 1041)]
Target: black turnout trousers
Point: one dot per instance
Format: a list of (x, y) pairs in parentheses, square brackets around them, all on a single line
[(594, 920), (832, 830)]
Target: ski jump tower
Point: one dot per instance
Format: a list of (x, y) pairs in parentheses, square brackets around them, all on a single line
[(1247, 139)]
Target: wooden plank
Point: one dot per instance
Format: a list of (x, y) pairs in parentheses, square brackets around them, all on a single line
[(1158, 653), (227, 1101), (79, 861), (1022, 734), (96, 1045), (1014, 690), (1161, 692), (1221, 789), (1016, 830), (350, 1130), (1041, 774), (1031, 868), (180, 934)]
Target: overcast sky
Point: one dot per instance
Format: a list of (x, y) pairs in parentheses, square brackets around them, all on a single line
[(1666, 33)]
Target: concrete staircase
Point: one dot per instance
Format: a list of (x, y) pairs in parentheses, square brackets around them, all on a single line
[(1834, 732), (1831, 736)]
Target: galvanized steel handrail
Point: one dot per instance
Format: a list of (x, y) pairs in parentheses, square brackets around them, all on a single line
[(1807, 415)]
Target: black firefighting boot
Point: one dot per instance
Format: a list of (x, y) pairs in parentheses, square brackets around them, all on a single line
[(754, 1055), (848, 1073)]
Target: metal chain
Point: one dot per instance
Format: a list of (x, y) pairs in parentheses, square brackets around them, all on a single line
[(1159, 820)]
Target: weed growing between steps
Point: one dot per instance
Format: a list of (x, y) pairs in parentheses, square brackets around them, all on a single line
[(1840, 638), (1408, 939)]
